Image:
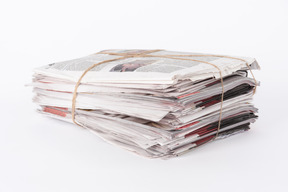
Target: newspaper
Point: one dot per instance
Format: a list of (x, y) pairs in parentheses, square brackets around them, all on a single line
[(148, 70), (156, 107)]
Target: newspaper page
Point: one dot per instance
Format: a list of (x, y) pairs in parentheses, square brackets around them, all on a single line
[(148, 70)]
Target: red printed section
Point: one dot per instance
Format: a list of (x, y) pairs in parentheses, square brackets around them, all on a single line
[(188, 125), (61, 108), (55, 111), (204, 140), (186, 95)]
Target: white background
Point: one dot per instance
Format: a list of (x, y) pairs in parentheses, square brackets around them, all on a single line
[(39, 154)]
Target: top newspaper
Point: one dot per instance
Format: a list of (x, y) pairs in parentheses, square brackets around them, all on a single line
[(146, 70)]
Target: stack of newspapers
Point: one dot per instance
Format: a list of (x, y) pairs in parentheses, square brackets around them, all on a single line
[(156, 105)]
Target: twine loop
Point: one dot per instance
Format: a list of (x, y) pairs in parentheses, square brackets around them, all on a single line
[(176, 57)]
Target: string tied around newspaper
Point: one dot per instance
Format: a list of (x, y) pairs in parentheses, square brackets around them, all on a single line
[(176, 57)]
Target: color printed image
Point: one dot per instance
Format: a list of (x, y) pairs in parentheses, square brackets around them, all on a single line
[(131, 66)]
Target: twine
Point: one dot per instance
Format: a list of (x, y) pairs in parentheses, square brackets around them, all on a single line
[(176, 57)]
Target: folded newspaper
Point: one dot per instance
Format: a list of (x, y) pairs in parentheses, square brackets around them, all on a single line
[(158, 104)]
